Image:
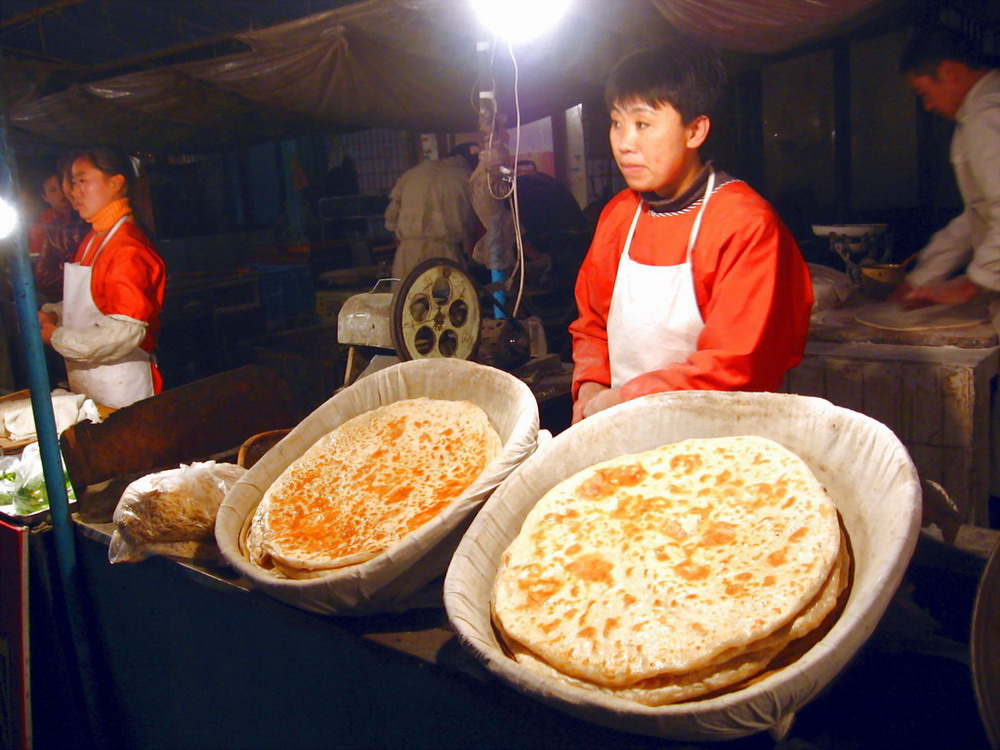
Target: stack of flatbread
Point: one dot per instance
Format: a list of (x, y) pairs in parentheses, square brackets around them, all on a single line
[(368, 484), (663, 576)]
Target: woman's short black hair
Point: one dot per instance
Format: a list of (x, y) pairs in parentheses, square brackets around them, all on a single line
[(685, 74)]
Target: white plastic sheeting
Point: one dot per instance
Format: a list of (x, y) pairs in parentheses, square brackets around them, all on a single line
[(407, 64), (395, 580), (863, 466)]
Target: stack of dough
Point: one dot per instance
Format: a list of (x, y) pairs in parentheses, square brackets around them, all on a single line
[(367, 484), (663, 576)]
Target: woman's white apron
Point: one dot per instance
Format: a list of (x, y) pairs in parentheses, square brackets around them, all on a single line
[(116, 384), (654, 320)]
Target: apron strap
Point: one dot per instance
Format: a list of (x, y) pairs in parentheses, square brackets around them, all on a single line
[(631, 229), (693, 237), (695, 229), (104, 241)]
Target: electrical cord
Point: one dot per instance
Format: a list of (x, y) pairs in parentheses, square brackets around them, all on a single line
[(519, 270)]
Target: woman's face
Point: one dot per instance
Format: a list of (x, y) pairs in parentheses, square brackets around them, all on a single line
[(92, 189), (655, 151), (53, 195)]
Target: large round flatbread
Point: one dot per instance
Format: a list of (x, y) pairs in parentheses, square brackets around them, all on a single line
[(728, 669), (369, 483), (659, 562), (891, 316)]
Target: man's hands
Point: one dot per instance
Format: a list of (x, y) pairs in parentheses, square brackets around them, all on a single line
[(592, 398), (951, 292)]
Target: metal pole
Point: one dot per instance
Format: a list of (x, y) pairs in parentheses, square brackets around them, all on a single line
[(29, 331)]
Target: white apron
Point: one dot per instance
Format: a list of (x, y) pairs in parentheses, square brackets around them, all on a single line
[(115, 384), (654, 320)]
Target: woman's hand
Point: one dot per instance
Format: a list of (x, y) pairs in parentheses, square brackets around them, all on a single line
[(583, 396), (47, 321), (48, 329), (592, 398)]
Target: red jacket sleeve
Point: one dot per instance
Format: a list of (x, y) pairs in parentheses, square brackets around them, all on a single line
[(129, 279), (594, 285)]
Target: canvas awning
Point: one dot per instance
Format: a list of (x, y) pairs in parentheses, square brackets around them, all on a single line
[(408, 64)]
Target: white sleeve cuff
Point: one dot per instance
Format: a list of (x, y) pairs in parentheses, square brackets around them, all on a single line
[(111, 338), (54, 308)]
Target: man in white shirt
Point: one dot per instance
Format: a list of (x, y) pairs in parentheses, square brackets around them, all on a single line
[(951, 79), (431, 213)]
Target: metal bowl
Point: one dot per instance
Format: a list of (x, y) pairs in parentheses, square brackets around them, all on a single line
[(849, 230), (886, 273)]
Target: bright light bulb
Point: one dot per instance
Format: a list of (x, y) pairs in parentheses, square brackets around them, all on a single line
[(519, 20), (8, 219)]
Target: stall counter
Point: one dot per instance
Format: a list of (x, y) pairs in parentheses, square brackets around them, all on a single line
[(199, 659)]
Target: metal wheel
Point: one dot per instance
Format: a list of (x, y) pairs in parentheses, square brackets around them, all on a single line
[(435, 312)]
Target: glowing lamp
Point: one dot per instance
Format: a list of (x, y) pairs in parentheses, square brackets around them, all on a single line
[(8, 219), (519, 20)]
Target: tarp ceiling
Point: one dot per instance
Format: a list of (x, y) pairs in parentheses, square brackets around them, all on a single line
[(409, 64)]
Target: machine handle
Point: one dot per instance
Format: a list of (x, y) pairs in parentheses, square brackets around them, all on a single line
[(390, 278)]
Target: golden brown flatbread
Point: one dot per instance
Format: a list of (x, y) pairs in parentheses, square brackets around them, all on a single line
[(369, 483), (661, 563), (728, 669)]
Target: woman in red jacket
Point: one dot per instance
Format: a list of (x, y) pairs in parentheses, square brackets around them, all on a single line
[(53, 239), (692, 281), (106, 326)]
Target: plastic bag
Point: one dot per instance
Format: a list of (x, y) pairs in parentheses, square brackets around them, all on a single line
[(177, 505), (8, 466), (22, 482)]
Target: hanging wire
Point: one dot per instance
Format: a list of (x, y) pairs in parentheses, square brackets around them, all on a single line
[(511, 193), (497, 194), (477, 85), (515, 207)]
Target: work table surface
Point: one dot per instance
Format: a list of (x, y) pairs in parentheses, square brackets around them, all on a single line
[(840, 325)]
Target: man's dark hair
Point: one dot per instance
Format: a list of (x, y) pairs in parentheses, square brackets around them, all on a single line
[(468, 151), (687, 75), (929, 47)]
